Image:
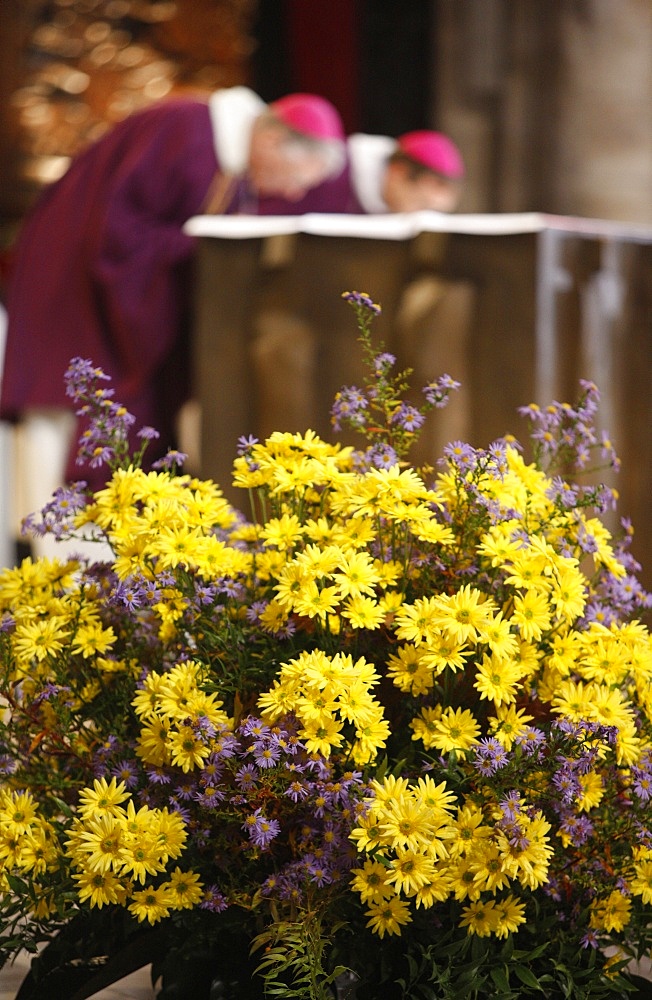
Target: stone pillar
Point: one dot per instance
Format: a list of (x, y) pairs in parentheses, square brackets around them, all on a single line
[(603, 160)]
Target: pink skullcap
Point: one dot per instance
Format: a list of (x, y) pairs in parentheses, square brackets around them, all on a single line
[(310, 115), (435, 151)]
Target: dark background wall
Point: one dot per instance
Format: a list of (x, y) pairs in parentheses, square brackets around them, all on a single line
[(372, 58)]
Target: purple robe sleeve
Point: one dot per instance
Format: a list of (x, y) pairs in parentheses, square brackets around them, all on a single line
[(334, 195), (102, 267), (140, 267)]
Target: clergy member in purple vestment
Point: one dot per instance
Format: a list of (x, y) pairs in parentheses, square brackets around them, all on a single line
[(419, 171), (102, 268)]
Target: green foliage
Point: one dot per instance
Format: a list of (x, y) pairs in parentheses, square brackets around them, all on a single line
[(293, 956)]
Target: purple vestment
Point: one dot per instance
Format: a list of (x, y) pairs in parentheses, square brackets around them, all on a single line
[(102, 270)]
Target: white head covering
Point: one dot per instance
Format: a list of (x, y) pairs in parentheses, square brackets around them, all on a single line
[(368, 156), (233, 112)]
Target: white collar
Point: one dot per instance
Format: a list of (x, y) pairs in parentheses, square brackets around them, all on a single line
[(233, 112), (368, 155)]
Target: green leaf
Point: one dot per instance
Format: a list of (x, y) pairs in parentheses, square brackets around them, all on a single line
[(527, 977), (17, 885), (500, 978)]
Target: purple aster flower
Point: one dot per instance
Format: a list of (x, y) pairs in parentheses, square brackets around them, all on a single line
[(551, 888), (511, 805), (600, 497), (157, 775), (460, 454), (261, 831), (408, 417), (102, 455), (80, 373), (202, 726), (110, 746), (186, 790), (245, 444), (381, 456), (294, 767), (48, 692), (7, 622), (57, 517), (252, 726), (567, 784), (285, 631), (590, 939), (297, 791), (205, 593), (148, 433), (131, 593), (437, 393), (213, 900), (598, 611), (7, 764), (642, 783), (319, 804), (266, 755), (231, 588), (254, 611), (561, 493), (247, 777), (349, 407), (531, 740), (384, 362), (127, 771), (212, 769), (224, 745), (318, 873), (362, 300), (320, 768), (289, 885), (172, 460), (209, 796), (579, 828), (179, 808), (201, 838), (490, 756)]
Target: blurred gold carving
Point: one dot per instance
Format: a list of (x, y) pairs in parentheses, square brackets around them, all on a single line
[(90, 63)]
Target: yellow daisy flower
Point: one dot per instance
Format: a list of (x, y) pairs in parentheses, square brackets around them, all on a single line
[(497, 680), (151, 904), (612, 913), (104, 798), (185, 889), (321, 736), (370, 882), (531, 614), (363, 612), (410, 870), (388, 917), (508, 723), (457, 729), (98, 888), (480, 917), (187, 751), (408, 671), (466, 614), (509, 915)]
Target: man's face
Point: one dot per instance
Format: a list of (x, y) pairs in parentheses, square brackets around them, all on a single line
[(426, 192), (282, 168)]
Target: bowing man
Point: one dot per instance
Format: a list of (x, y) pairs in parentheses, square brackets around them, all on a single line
[(103, 270)]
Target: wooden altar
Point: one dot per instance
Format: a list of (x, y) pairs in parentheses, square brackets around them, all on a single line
[(518, 307)]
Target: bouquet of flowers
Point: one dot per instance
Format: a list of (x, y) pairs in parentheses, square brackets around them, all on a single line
[(388, 736)]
